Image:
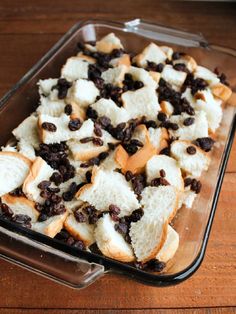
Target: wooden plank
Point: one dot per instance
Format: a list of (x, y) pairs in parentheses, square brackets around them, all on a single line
[(226, 310), (214, 284)]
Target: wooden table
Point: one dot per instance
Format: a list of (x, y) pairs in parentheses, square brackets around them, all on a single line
[(27, 30)]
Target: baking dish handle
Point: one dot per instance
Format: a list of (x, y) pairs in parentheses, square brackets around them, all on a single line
[(40, 258), (165, 34)]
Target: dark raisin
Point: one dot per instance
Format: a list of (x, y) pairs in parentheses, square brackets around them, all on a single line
[(114, 209), (97, 141), (165, 151), (22, 220), (180, 67), (103, 155), (97, 129), (187, 181), (136, 215), (129, 175), (80, 217), (161, 116), (42, 217), (104, 121), (17, 192), (70, 241), (122, 228), (91, 113), (173, 126), (93, 219), (131, 149), (151, 124), (188, 121), (79, 245), (88, 176), (48, 126), (162, 173), (57, 178), (155, 265), (68, 110), (44, 185), (136, 142), (74, 124), (175, 55), (114, 217), (89, 210), (191, 150), (7, 211), (86, 140), (205, 143), (62, 86), (138, 84)]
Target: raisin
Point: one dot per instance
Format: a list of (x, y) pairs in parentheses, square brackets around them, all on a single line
[(48, 126), (191, 150)]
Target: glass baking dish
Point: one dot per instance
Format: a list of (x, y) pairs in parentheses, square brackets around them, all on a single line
[(76, 268)]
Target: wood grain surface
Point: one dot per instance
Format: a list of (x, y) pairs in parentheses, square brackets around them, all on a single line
[(27, 30)]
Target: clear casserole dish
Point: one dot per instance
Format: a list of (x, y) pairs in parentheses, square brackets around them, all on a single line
[(77, 268)]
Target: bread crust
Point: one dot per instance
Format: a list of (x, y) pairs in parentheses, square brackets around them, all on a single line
[(17, 155), (84, 156), (112, 251), (159, 245), (13, 200), (221, 91), (136, 162), (87, 186), (32, 175), (55, 226), (75, 233)]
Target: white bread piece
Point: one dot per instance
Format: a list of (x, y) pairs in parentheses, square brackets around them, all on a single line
[(110, 162), (168, 51), (83, 93), (142, 102), (124, 59), (50, 107), (9, 148), (190, 63), (140, 133), (26, 149), (14, 169), (158, 137), (171, 168), (160, 202), (212, 107), (73, 205), (39, 172), (189, 97), (45, 86), (198, 129), (85, 151), (109, 187), (109, 43), (63, 133), (172, 76), (75, 68), (151, 53), (110, 242), (147, 237), (28, 131), (139, 74), (80, 230), (51, 226), (207, 75), (170, 246), (191, 164), (155, 76), (108, 108), (167, 107), (20, 205), (187, 197), (115, 76)]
